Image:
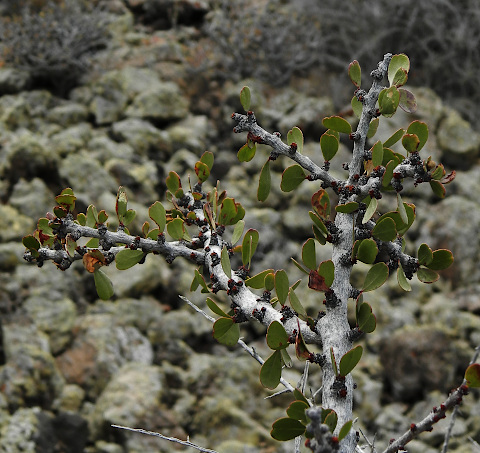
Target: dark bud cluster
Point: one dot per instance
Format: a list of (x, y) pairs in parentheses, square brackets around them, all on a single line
[(259, 314), (319, 359), (331, 299), (287, 313), (339, 386), (410, 267)]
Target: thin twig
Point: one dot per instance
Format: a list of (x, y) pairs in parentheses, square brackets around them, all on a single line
[(247, 348), (187, 443), (448, 434)]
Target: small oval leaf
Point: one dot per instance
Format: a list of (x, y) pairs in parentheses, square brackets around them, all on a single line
[(338, 124), (287, 429), (245, 98), (271, 371), (472, 375), (125, 259), (376, 277), (264, 182), (103, 285), (292, 177), (277, 337), (350, 360)]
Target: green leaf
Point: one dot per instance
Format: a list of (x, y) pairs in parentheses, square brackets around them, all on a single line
[(292, 177), (230, 212), (321, 204), (31, 242), (299, 396), (207, 158), (245, 98), (394, 138), (400, 61), (238, 231), (338, 124), (420, 129), (120, 206), (388, 101), (326, 269), (281, 285), (125, 259), (319, 235), (371, 210), (441, 259), (345, 429), (215, 308), (402, 279), (246, 153), (295, 136), (350, 360), (264, 182), (271, 371), (330, 419), (377, 153), (103, 285), (295, 303), (400, 78), (176, 228), (92, 216), (355, 73), (427, 275), (318, 222), (407, 103), (399, 224), (300, 267), (329, 146), (226, 332), (173, 182), (438, 188), (258, 280), (410, 142), (372, 127), (388, 175), (376, 277), (308, 254), (297, 409), (367, 251), (202, 171), (357, 107), (366, 320), (270, 281), (401, 209), (129, 216), (158, 214), (347, 208), (287, 429), (249, 245), (424, 254), (81, 219), (200, 281), (277, 337), (472, 375), (225, 260), (385, 230)]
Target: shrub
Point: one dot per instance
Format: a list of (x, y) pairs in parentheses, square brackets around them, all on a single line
[(204, 226), (54, 42)]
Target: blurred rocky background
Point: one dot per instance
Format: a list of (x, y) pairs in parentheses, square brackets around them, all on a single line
[(98, 94)]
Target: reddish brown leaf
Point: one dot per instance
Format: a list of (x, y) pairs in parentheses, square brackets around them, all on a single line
[(449, 178), (316, 281)]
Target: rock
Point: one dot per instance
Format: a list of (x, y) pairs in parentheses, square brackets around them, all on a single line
[(71, 398), (143, 137), (454, 224), (164, 103), (28, 156), (86, 177), (13, 80), (99, 350), (69, 426), (71, 139), (459, 142), (11, 255), (54, 317), (32, 197), (131, 398), (13, 225), (30, 377), (419, 359), (104, 148), (14, 111), (68, 114), (190, 133), (30, 430)]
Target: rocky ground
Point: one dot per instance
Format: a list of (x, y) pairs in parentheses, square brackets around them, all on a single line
[(72, 365)]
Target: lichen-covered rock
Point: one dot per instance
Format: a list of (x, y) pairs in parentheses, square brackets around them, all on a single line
[(68, 114), (32, 197), (71, 139), (142, 136), (459, 142), (30, 377), (29, 430), (164, 103), (99, 349), (13, 224), (54, 317), (13, 80)]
